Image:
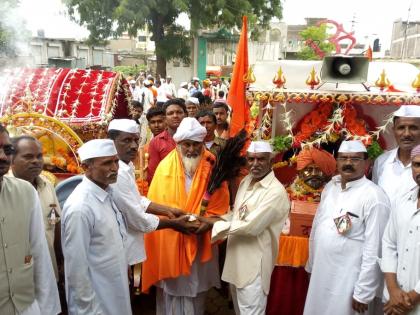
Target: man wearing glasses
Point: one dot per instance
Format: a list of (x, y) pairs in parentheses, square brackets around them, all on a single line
[(27, 281), (346, 238)]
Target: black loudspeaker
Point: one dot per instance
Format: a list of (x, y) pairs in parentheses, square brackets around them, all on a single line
[(345, 69)]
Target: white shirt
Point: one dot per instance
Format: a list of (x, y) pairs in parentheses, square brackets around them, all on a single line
[(183, 93), (136, 93), (170, 89), (148, 98), (46, 293), (401, 244), (133, 206), (252, 245), (345, 266), (92, 235), (161, 94), (391, 174)]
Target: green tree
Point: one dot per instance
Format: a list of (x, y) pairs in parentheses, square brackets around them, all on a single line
[(319, 35), (106, 18)]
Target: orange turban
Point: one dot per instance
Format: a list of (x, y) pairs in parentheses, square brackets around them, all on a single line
[(324, 160)]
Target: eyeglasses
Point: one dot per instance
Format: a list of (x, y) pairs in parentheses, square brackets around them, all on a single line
[(8, 149), (351, 159)]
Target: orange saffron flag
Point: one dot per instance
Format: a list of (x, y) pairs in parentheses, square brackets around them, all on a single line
[(236, 97), (369, 53)]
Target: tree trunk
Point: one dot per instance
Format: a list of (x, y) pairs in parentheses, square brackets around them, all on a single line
[(158, 32), (160, 63)]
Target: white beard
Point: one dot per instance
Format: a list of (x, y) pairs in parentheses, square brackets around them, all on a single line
[(190, 163)]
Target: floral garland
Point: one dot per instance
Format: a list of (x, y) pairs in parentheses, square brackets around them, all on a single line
[(66, 162), (298, 190), (142, 186)]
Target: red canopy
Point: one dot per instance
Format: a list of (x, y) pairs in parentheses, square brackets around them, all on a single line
[(74, 96)]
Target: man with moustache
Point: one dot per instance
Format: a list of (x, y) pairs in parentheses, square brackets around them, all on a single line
[(400, 249), (252, 230), (93, 234), (392, 169), (184, 267), (27, 164), (140, 213), (161, 145), (207, 119), (27, 282), (315, 167), (345, 240)]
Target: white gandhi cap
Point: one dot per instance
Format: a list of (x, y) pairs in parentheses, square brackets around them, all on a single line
[(125, 125), (97, 148), (260, 147), (408, 111), (352, 146), (190, 129)]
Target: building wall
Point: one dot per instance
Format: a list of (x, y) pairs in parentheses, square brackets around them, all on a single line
[(410, 42)]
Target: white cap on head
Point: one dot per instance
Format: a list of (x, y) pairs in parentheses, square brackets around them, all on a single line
[(97, 148), (352, 146), (196, 79), (126, 125), (183, 84), (260, 147), (147, 82), (132, 81), (193, 100), (408, 111), (190, 129)]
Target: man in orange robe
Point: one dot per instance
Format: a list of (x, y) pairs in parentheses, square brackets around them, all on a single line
[(184, 267)]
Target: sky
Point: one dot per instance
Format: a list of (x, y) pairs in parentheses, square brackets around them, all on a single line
[(372, 18)]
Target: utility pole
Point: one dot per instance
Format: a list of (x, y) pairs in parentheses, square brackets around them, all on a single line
[(404, 45)]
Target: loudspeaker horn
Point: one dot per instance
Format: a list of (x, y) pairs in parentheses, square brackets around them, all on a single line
[(345, 69)]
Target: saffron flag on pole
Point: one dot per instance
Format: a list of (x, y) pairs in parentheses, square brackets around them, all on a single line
[(236, 97)]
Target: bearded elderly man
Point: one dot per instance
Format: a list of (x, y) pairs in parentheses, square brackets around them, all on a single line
[(392, 169), (400, 249), (27, 282), (252, 230), (315, 167), (184, 267), (345, 241), (93, 233)]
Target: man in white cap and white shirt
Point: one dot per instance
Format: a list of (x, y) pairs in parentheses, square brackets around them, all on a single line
[(27, 282), (400, 249), (93, 233), (184, 267), (146, 95), (392, 169), (252, 230), (140, 213), (183, 91), (345, 241), (169, 86)]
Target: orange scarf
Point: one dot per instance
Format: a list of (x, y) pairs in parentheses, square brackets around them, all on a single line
[(170, 253)]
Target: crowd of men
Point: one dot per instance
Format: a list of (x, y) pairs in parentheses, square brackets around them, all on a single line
[(365, 233)]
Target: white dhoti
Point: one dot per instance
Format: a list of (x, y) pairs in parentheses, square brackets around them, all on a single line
[(249, 300), (186, 295)]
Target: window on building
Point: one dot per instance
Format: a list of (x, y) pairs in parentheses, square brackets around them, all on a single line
[(142, 38), (275, 35)]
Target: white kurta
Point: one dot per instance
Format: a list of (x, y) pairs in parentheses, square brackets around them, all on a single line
[(133, 206), (47, 301), (401, 244), (92, 234), (346, 266), (391, 175)]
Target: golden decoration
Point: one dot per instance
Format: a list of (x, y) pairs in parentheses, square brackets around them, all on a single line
[(249, 77), (313, 80), (382, 81), (279, 79), (416, 83)]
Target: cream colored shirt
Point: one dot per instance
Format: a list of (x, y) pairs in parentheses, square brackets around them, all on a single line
[(253, 229), (48, 198)]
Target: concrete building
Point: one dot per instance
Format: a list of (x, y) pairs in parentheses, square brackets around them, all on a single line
[(405, 42)]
